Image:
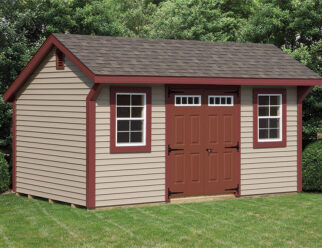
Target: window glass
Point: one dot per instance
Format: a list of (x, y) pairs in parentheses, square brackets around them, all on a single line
[(220, 101), (130, 118), (269, 117), (185, 100)]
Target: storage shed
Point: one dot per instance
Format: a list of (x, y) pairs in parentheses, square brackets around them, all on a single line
[(106, 121)]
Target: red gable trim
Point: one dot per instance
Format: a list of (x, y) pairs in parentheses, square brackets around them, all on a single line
[(204, 80), (42, 52)]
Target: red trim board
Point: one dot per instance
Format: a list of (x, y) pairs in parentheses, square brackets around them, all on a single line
[(125, 149), (204, 80), (14, 146), (302, 92), (91, 143), (256, 143)]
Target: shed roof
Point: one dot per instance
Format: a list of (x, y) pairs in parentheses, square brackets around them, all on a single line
[(111, 60), (105, 55)]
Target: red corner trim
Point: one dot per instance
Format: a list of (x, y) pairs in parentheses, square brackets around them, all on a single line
[(113, 147), (91, 143), (14, 146), (302, 92), (37, 59), (204, 80), (282, 143)]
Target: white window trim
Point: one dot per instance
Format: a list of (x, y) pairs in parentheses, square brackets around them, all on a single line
[(280, 116), (222, 105), (186, 105), (131, 118)]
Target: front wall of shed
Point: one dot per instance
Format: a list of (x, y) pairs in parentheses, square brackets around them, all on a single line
[(130, 178), (51, 133), (268, 170)]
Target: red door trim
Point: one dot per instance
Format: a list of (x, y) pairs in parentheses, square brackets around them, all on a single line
[(91, 144), (14, 146), (167, 116), (302, 92), (238, 103)]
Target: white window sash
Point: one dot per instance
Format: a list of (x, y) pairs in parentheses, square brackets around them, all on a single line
[(129, 119), (280, 117), (220, 104), (186, 105)]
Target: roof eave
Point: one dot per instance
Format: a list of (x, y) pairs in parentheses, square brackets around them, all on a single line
[(119, 79)]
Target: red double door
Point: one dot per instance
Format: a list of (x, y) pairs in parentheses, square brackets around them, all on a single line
[(203, 145)]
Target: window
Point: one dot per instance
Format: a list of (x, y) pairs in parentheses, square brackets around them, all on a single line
[(187, 100), (130, 119), (269, 117), (220, 101), (60, 60)]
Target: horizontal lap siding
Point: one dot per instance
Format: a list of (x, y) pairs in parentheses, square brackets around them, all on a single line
[(268, 170), (130, 178), (51, 133)]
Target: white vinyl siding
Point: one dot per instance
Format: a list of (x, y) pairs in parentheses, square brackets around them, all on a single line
[(130, 178), (268, 170), (51, 133)]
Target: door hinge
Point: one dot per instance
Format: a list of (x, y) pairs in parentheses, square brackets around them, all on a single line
[(233, 189), (233, 92), (236, 146), (170, 91), (173, 149), (172, 193)]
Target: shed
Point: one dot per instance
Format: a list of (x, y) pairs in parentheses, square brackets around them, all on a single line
[(107, 121)]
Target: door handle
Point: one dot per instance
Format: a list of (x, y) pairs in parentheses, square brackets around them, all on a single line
[(208, 150)]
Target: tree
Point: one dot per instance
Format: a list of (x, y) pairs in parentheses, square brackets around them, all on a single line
[(211, 20)]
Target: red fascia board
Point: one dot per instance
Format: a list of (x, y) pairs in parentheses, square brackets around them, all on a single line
[(302, 92), (42, 52), (204, 80)]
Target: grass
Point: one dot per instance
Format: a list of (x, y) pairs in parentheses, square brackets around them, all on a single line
[(279, 221)]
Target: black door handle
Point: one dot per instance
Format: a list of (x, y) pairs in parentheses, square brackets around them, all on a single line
[(208, 150), (236, 146)]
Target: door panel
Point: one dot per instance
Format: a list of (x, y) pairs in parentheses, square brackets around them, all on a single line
[(205, 166)]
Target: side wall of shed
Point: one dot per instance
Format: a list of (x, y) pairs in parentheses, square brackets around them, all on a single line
[(130, 178), (51, 133), (268, 170)]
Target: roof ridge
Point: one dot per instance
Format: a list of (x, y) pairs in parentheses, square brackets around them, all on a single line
[(165, 40)]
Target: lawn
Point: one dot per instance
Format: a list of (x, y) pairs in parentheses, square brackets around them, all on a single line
[(279, 221)]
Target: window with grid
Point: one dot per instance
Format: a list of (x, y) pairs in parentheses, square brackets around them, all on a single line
[(269, 117), (220, 101), (130, 119)]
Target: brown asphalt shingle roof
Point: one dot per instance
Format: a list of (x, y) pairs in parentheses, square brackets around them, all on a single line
[(105, 55)]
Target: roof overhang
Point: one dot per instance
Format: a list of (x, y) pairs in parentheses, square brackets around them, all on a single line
[(52, 41)]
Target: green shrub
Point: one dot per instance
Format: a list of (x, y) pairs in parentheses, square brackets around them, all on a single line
[(4, 174), (312, 167)]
